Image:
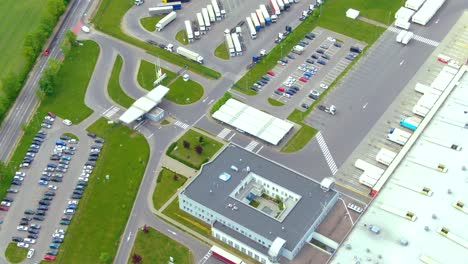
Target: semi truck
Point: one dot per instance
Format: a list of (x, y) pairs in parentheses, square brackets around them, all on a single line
[(414, 4), (237, 45), (265, 14), (156, 11), (275, 7), (211, 13), (402, 24), (410, 122), (188, 29), (175, 5), (201, 23), (398, 136), (206, 18), (253, 32), (230, 45), (189, 54), (254, 18), (196, 30), (216, 10), (166, 20), (259, 14), (385, 156), (280, 4)]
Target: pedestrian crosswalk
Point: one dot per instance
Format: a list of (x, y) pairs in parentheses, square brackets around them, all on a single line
[(326, 153), (224, 133), (110, 111), (417, 37), (251, 145), (206, 257), (181, 124)]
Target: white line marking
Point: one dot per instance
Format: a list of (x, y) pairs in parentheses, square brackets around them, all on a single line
[(150, 136), (198, 119), (172, 232), (211, 101), (229, 139), (364, 106), (204, 100), (129, 235), (259, 149), (437, 21), (326, 153), (401, 62)]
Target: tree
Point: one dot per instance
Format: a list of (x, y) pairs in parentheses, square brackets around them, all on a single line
[(105, 258), (175, 177), (136, 258), (146, 229), (47, 83), (199, 149), (201, 139), (186, 144), (11, 85)]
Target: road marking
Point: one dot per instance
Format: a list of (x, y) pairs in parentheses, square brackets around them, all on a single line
[(224, 133), (211, 101), (364, 106), (326, 153), (150, 136), (259, 149), (111, 111), (172, 232), (437, 21), (401, 62), (229, 139), (198, 119), (206, 257), (181, 124), (204, 100), (129, 235), (251, 145), (139, 125)]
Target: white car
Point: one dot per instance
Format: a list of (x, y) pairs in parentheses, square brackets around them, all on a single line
[(19, 178), (22, 228), (323, 86), (29, 241), (57, 235), (22, 245), (70, 202), (69, 211), (72, 141), (332, 39), (30, 253), (82, 179), (67, 122), (5, 203), (60, 231), (51, 119), (20, 173), (85, 29), (52, 187)]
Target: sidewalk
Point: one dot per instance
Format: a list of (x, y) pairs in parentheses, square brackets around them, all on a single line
[(373, 22)]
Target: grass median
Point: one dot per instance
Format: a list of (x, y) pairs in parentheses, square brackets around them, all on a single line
[(184, 92), (15, 254), (155, 247), (222, 52), (275, 102), (168, 183), (108, 19), (181, 36), (174, 212), (114, 89), (147, 75), (149, 23), (103, 211)]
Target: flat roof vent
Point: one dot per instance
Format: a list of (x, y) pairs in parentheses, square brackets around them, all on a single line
[(224, 176)]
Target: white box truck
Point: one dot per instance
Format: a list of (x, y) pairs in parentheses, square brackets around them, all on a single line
[(385, 156), (398, 136), (156, 11), (230, 45), (402, 24), (189, 54), (211, 13), (216, 10), (280, 4), (188, 29), (253, 32), (201, 23), (166, 20), (407, 37), (260, 17), (275, 8), (206, 18), (237, 45), (414, 4)]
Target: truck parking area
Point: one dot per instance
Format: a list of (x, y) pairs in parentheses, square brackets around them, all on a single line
[(50, 191)]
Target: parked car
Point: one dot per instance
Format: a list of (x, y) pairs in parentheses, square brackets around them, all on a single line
[(271, 73), (91, 135), (322, 62), (51, 114), (22, 245), (314, 94), (65, 222), (30, 241), (49, 257), (320, 51), (17, 239), (99, 140), (67, 122), (22, 228), (44, 125), (337, 44), (29, 212), (30, 253), (52, 252), (304, 105), (33, 236), (38, 218)]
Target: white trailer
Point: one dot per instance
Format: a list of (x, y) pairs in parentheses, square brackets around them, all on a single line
[(253, 32), (368, 168), (156, 11), (188, 29), (385, 156), (400, 36), (201, 23), (230, 45), (254, 18), (237, 45), (216, 10), (280, 4), (367, 180), (206, 18), (275, 8), (189, 54), (211, 13), (404, 14), (402, 24), (427, 11), (265, 14), (398, 136), (414, 4), (260, 17), (166, 20), (408, 36)]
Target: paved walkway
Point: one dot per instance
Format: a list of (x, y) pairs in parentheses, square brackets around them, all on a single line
[(373, 22)]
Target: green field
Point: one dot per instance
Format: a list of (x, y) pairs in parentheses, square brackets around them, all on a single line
[(187, 219), (300, 139), (113, 87), (155, 247), (274, 102), (108, 19), (222, 52), (167, 184), (181, 36), (184, 92), (15, 254), (104, 209), (18, 19), (147, 75), (188, 155), (149, 23)]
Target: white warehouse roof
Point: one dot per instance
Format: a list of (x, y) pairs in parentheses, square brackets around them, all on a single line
[(144, 104), (253, 121)]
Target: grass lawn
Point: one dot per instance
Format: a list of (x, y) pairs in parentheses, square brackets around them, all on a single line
[(114, 89), (68, 100), (173, 211), (108, 19), (181, 36), (165, 122), (147, 75), (149, 23), (189, 156), (184, 92), (71, 135), (274, 102), (155, 247), (166, 186), (104, 209), (300, 139), (15, 254), (18, 19), (222, 100), (222, 52)]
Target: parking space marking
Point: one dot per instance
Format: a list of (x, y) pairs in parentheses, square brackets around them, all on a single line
[(224, 133), (328, 157), (181, 124), (251, 145)]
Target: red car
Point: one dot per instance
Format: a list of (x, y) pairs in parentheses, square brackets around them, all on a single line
[(46, 52), (281, 89), (51, 114), (271, 73), (49, 257), (4, 208), (303, 79)]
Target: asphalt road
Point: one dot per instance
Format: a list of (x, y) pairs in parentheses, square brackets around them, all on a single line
[(22, 109)]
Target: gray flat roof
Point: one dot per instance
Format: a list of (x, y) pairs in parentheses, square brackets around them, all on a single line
[(296, 223)]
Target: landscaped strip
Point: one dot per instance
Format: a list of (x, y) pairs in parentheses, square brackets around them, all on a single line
[(114, 89), (222, 100), (300, 139), (108, 19), (154, 247), (173, 211), (147, 75), (99, 222), (193, 149), (274, 102), (167, 184), (149, 23), (181, 36), (15, 254), (184, 92), (222, 52)]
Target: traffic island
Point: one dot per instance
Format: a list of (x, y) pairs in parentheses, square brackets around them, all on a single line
[(15, 254), (181, 37), (184, 92), (222, 52), (149, 23)]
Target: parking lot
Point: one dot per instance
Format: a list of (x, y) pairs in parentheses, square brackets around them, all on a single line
[(45, 194), (305, 73)]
